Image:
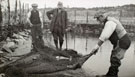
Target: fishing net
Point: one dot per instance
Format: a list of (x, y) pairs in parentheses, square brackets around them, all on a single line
[(42, 61)]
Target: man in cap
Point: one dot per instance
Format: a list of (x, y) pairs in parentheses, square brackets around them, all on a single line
[(36, 23), (115, 32), (58, 24)]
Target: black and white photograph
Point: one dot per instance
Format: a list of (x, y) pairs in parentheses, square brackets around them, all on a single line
[(67, 38)]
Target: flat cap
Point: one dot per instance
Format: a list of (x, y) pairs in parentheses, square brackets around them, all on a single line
[(34, 5), (60, 3), (100, 13)]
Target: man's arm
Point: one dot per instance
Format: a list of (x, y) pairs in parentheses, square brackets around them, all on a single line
[(41, 19), (106, 33), (108, 30), (28, 18), (49, 14)]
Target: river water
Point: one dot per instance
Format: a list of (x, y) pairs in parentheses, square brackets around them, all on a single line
[(99, 63)]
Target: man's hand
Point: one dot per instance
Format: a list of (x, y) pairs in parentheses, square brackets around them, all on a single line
[(49, 21), (42, 26), (68, 29), (31, 24), (95, 49)]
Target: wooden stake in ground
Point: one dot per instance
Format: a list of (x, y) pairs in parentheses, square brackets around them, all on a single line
[(23, 14), (86, 41), (120, 15), (66, 35), (44, 13), (87, 17), (28, 8), (20, 15), (0, 15), (86, 30), (66, 40), (8, 12), (15, 11), (74, 25)]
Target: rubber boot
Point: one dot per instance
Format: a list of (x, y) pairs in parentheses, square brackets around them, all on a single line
[(56, 44), (41, 40), (112, 72)]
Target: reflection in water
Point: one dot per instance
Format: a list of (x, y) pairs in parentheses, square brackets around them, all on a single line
[(100, 62)]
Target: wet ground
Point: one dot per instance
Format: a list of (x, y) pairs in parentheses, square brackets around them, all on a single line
[(99, 63), (42, 62)]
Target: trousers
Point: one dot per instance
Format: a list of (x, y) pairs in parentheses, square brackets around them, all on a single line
[(36, 32)]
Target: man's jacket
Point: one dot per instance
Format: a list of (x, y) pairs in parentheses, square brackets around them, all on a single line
[(52, 15), (35, 17)]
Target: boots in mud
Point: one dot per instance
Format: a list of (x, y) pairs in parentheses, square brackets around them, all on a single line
[(113, 72), (56, 44), (61, 43), (41, 40)]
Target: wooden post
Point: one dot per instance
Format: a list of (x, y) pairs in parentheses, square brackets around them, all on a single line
[(23, 13), (8, 12), (0, 19), (74, 25), (44, 22), (20, 15), (120, 15), (15, 11), (66, 35), (0, 14), (5, 15), (26, 11), (87, 17), (75, 16), (44, 13), (86, 30), (28, 8), (23, 9)]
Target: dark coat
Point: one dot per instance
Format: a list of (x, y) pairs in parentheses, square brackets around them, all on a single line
[(52, 14), (34, 18)]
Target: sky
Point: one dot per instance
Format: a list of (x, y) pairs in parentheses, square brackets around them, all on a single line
[(76, 3)]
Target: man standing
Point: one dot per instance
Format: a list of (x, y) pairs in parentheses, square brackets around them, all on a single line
[(58, 25), (115, 32), (36, 23)]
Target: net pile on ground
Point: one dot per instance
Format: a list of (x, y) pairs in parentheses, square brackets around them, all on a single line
[(42, 61)]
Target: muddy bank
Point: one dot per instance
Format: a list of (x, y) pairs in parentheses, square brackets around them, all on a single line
[(43, 61)]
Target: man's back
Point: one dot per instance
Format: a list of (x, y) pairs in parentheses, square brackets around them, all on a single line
[(34, 17), (119, 27)]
